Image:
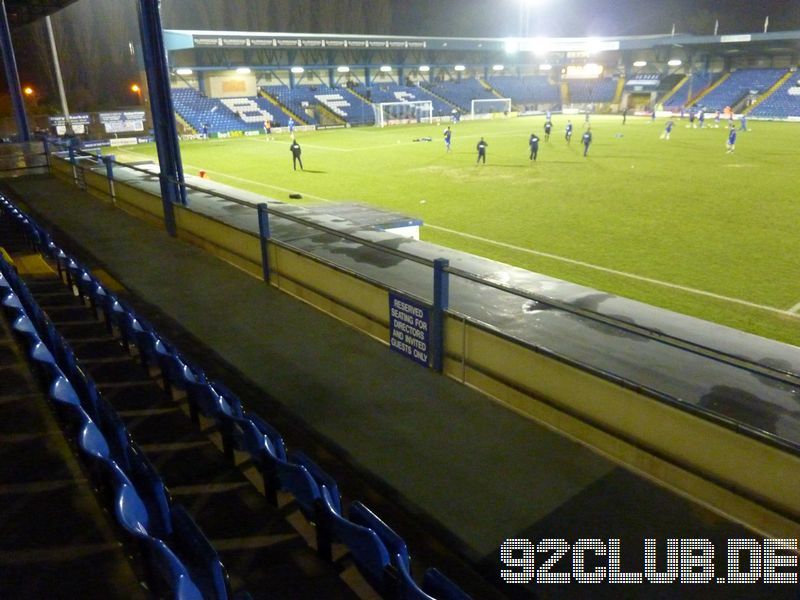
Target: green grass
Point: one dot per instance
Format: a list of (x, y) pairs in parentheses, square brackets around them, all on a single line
[(681, 211)]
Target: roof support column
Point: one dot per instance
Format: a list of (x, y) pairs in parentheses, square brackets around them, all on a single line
[(166, 133), (12, 77)]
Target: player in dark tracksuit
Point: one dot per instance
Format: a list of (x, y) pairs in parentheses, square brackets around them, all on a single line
[(296, 151), (481, 151), (568, 132), (587, 140), (548, 125), (534, 144)]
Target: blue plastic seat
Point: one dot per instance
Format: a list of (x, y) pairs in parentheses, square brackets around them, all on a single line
[(407, 587), (441, 588), (366, 548), (167, 573), (199, 556), (151, 490)]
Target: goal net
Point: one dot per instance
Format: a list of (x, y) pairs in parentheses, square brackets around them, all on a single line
[(400, 113), (490, 107)]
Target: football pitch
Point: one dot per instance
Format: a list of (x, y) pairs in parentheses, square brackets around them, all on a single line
[(675, 223)]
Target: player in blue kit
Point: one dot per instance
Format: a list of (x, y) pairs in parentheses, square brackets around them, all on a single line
[(447, 135), (701, 118), (667, 130), (291, 125), (568, 132), (743, 122), (731, 140)]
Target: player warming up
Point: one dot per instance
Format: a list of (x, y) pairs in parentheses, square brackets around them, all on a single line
[(568, 132), (533, 142), (667, 130), (731, 145), (587, 141), (548, 126), (447, 136), (481, 152)]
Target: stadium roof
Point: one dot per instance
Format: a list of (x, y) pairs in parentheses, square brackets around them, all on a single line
[(762, 43), (22, 12)]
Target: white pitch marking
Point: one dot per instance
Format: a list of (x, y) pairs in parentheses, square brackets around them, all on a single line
[(621, 273), (792, 312)]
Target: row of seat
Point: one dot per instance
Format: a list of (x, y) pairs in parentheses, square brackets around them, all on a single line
[(739, 85), (531, 89), (178, 561), (460, 93), (377, 551), (783, 102)]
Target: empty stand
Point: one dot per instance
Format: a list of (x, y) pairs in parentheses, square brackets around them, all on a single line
[(532, 89), (739, 85), (198, 110), (460, 93), (784, 102), (587, 91), (693, 86)]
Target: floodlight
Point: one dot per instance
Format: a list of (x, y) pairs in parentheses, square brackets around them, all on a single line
[(497, 67), (184, 71), (297, 70), (28, 91), (512, 46), (545, 67), (424, 68), (343, 69), (385, 69), (675, 62), (640, 63), (243, 70), (459, 67)]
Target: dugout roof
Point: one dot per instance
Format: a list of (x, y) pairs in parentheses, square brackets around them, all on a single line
[(22, 12)]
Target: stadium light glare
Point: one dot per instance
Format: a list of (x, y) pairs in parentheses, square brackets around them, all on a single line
[(135, 88), (243, 70), (385, 69), (184, 71), (512, 46), (28, 90), (593, 46), (297, 70), (459, 68), (640, 63), (675, 62), (343, 69), (424, 68), (545, 67), (497, 67), (593, 69)]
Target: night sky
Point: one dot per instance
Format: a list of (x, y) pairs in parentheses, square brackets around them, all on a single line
[(579, 18), (94, 36)]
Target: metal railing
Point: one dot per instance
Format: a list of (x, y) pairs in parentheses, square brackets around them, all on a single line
[(439, 300)]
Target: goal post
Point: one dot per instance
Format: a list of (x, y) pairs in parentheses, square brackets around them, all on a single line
[(400, 113), (485, 108)]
